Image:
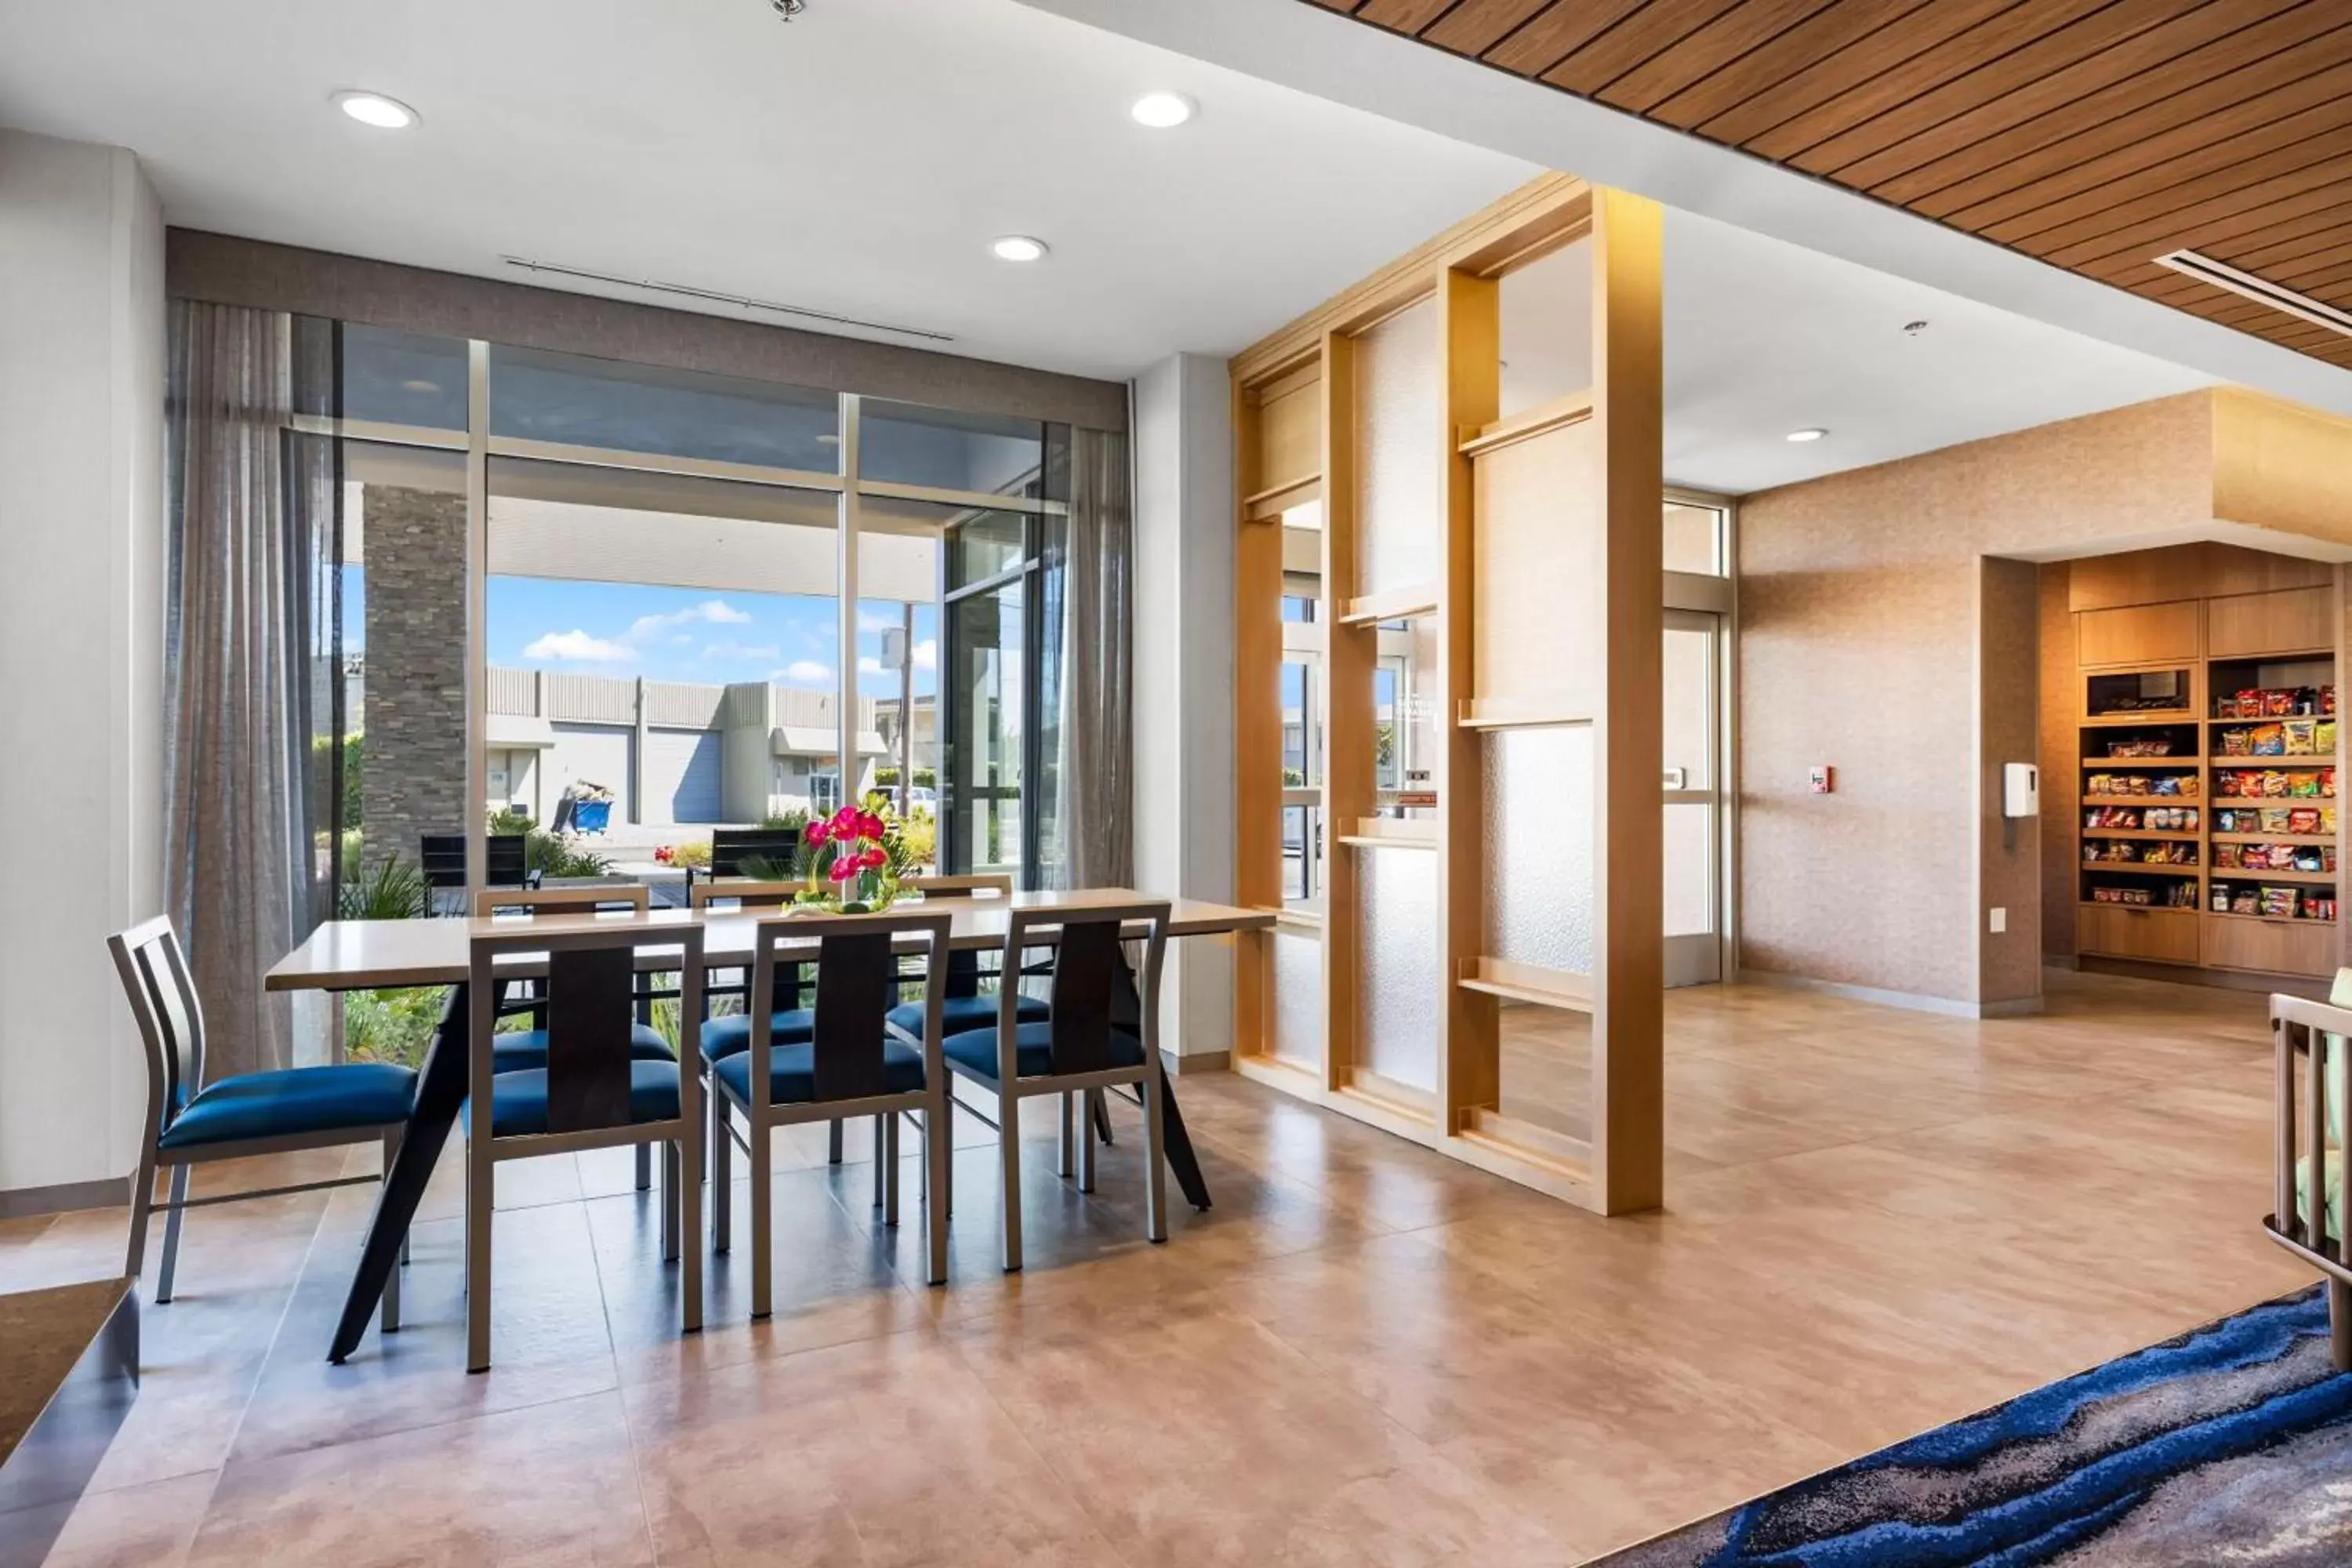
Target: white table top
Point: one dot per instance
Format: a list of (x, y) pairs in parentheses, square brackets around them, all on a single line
[(367, 955)]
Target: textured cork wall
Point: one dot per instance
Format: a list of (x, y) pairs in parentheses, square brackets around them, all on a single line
[(1863, 610)]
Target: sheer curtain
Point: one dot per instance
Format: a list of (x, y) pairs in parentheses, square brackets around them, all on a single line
[(239, 877), (1089, 593)]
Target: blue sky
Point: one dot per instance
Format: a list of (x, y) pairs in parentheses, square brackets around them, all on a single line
[(683, 634)]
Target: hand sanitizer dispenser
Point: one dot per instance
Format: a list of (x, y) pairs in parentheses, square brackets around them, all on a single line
[(2020, 789)]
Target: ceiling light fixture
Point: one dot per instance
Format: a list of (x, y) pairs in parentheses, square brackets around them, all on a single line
[(1018, 248), (1162, 111), (374, 108), (1814, 434), (786, 10)]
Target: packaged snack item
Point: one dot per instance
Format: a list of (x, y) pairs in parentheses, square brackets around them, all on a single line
[(2270, 740), (2220, 899), (2275, 783), (2237, 743), (2301, 735), (2320, 909), (2304, 786), (2323, 737), (2279, 902), (2303, 819), (2276, 703), (2245, 901)]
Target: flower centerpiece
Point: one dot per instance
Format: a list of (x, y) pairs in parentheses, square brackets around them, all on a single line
[(852, 868)]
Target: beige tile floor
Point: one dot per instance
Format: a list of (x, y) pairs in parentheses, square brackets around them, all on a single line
[(1365, 1353)]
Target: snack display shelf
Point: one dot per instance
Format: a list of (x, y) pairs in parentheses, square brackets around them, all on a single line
[(2190, 836), (2297, 921), (2239, 874), (2273, 837), (2141, 799), (2129, 764)]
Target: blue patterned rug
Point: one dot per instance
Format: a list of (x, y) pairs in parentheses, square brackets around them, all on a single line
[(2232, 1444)]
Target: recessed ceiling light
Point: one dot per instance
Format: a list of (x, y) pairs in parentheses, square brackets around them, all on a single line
[(1162, 111), (374, 108), (1813, 434), (1019, 248)]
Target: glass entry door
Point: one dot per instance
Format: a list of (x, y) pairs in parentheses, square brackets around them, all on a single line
[(986, 685), (1693, 684)]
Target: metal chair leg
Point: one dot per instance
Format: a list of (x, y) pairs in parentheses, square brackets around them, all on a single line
[(761, 1295), (1086, 1149), (478, 1205), (722, 1179), (1098, 1104), (832, 1151), (142, 1203), (1008, 1147), (390, 1308), (689, 1226), (937, 1148), (645, 1166), (672, 1179), (877, 1159), (179, 1194), (2339, 1324), (887, 1161), (1062, 1157)]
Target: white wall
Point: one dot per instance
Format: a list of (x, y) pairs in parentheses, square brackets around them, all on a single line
[(81, 607), (1183, 678)]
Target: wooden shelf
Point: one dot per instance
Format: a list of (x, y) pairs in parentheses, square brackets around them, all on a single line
[(1394, 604), (2143, 800), (2296, 922), (2125, 764), (2274, 838), (2157, 716), (1507, 714), (1391, 833), (1529, 983), (2142, 867), (2239, 874), (2190, 836)]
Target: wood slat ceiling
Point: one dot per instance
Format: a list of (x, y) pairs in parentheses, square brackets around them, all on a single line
[(2094, 134)]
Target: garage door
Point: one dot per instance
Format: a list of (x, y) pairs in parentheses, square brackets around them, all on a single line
[(593, 753), (681, 775)]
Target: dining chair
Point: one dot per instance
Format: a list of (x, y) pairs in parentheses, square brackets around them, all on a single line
[(967, 1005), (520, 1050), (1079, 1048), (855, 1062), (191, 1122), (441, 856), (594, 1091)]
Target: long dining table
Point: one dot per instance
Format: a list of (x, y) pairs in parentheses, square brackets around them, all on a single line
[(372, 955)]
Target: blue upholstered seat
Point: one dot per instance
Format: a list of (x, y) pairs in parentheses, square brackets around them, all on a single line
[(523, 1050), (519, 1099), (1032, 1051), (791, 1072), (958, 1014), (295, 1100), (724, 1038)]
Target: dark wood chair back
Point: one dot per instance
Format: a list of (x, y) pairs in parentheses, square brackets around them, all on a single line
[(857, 982), (963, 967), (1093, 990), (591, 995)]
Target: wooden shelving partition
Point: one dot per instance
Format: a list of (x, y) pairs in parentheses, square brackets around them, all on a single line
[(1525, 555)]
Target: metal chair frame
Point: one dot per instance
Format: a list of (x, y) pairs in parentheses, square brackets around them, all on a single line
[(682, 1157), (163, 997), (762, 1116), (1010, 1088)]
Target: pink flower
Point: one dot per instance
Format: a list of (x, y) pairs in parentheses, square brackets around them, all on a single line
[(874, 859), (843, 869), (844, 823), (869, 825), (815, 832)]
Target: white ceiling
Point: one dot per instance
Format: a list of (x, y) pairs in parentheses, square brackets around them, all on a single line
[(859, 160), (856, 161)]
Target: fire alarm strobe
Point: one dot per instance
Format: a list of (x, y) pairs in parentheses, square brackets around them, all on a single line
[(1822, 780)]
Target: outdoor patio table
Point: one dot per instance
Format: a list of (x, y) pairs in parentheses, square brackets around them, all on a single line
[(368, 955)]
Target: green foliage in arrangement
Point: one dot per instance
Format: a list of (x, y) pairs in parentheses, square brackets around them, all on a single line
[(394, 890)]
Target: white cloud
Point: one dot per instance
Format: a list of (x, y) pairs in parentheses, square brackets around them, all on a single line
[(764, 652), (871, 621), (869, 665), (927, 655), (578, 647), (804, 672), (710, 612)]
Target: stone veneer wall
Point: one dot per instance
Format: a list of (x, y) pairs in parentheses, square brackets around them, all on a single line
[(413, 777)]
